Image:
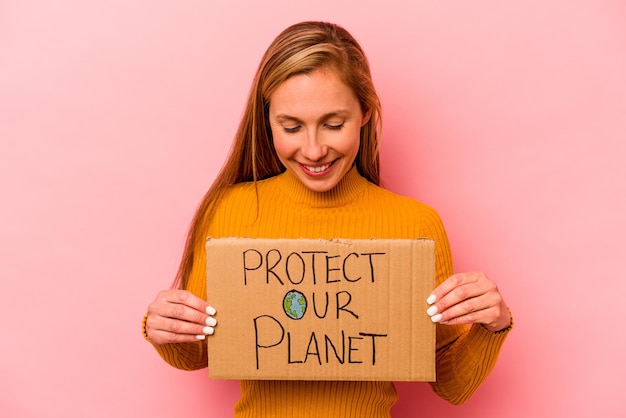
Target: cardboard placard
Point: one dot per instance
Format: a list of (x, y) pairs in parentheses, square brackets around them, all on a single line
[(321, 310)]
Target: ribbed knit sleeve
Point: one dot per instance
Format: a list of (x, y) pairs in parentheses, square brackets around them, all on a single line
[(465, 364), (465, 355), (190, 356)]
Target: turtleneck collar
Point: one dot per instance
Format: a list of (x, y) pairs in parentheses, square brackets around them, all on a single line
[(350, 186)]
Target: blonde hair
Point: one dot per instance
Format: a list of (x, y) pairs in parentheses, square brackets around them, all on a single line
[(299, 49)]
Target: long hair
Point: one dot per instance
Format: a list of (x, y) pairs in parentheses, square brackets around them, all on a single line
[(299, 49)]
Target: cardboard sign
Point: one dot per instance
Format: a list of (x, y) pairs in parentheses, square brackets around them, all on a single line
[(321, 310)]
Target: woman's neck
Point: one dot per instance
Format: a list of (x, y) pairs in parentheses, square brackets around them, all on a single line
[(351, 185)]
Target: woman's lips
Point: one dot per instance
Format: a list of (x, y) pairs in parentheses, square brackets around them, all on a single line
[(317, 170)]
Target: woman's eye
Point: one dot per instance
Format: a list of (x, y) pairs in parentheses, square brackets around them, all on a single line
[(291, 130), (335, 127)]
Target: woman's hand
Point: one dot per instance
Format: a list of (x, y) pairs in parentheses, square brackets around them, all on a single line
[(179, 316), (469, 298)]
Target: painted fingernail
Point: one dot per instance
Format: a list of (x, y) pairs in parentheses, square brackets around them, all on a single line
[(210, 310), (208, 330), (432, 310), (431, 299), (436, 318), (210, 321), (200, 337)]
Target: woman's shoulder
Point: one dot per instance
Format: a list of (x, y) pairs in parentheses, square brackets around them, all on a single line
[(245, 194), (237, 194), (389, 197), (408, 208)]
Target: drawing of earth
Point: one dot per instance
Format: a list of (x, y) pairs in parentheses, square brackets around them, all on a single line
[(294, 304)]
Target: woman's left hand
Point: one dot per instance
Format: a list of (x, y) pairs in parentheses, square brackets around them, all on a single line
[(469, 298)]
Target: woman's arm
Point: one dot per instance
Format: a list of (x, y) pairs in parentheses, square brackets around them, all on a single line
[(178, 321), (472, 322)]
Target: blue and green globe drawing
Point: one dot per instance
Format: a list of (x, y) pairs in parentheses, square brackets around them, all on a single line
[(294, 304)]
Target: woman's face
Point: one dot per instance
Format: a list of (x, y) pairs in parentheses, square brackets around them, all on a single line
[(316, 122)]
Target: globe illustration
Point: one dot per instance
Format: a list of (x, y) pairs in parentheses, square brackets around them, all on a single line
[(294, 304)]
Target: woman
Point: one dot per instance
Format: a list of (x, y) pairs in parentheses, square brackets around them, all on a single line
[(304, 164)]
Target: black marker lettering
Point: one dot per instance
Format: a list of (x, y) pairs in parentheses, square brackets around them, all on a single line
[(343, 307), (350, 350), (345, 275), (372, 263), (315, 307), (289, 361), (289, 270), (343, 348), (246, 261), (328, 269), (313, 262), (271, 269), (373, 343), (313, 342), (256, 336)]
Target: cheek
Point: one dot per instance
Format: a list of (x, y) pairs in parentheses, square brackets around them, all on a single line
[(282, 147), (353, 142)]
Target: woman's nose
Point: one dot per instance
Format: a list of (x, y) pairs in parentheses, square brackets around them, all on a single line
[(314, 148)]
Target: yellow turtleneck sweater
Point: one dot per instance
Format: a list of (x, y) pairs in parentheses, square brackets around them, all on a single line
[(281, 207)]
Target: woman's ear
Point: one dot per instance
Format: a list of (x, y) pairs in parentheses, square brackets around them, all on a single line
[(367, 114)]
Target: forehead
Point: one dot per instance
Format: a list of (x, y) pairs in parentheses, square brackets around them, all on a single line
[(314, 92)]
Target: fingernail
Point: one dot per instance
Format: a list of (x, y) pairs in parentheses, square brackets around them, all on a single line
[(200, 337), (432, 310), (208, 330), (436, 318), (210, 310), (210, 321), (431, 299)]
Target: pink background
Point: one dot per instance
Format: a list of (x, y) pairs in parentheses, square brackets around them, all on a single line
[(115, 116)]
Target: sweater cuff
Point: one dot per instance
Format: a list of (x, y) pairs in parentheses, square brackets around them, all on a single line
[(503, 331), (143, 328)]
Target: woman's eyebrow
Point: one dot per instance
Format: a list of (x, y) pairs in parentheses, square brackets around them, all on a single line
[(286, 118), (282, 117)]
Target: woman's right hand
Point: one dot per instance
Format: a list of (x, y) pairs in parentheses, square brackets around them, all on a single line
[(179, 316)]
